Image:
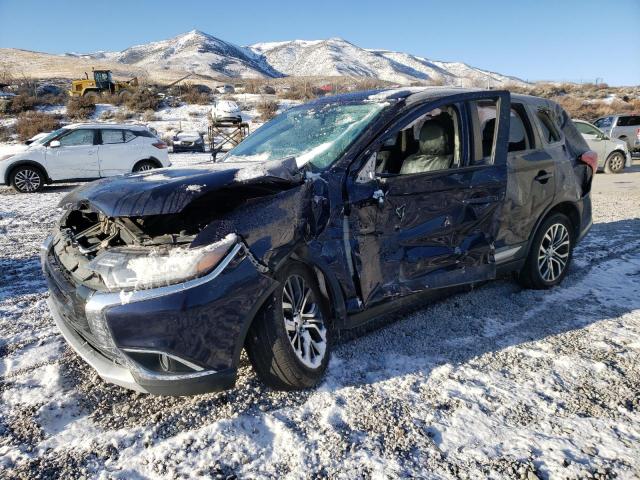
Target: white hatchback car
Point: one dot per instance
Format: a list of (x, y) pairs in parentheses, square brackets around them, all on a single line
[(83, 152), (613, 154), (226, 111)]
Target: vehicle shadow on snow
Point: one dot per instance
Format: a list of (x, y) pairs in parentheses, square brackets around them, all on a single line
[(452, 330), (494, 316)]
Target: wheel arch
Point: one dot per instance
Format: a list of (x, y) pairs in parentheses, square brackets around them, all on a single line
[(21, 163), (569, 209), (154, 160), (329, 286), (91, 90), (617, 150)]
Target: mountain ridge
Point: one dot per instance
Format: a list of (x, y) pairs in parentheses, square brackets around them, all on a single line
[(204, 54)]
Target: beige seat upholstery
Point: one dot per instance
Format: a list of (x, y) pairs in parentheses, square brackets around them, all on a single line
[(435, 150)]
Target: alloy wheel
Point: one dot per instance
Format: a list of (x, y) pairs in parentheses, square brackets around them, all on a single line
[(144, 167), (554, 252), (616, 162), (27, 180), (303, 322)]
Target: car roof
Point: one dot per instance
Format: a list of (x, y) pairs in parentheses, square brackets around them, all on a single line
[(416, 94), (128, 126)]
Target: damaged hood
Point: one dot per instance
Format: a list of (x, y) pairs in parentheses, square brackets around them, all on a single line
[(166, 191)]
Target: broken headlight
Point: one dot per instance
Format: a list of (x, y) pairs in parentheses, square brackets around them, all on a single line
[(140, 268)]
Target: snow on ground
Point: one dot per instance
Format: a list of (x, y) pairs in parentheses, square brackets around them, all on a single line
[(498, 382)]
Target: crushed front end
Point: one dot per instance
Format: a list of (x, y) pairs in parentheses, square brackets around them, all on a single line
[(146, 310)]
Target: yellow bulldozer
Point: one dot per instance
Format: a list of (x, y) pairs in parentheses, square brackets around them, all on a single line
[(101, 84)]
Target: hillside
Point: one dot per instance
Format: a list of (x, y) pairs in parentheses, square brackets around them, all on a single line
[(212, 59)]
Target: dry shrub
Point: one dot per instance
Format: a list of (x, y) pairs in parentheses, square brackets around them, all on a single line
[(436, 82), (50, 99), (81, 108), (123, 115), (22, 103), (252, 86), (142, 100), (149, 116), (298, 92), (267, 109), (115, 100), (5, 133), (195, 95), (580, 108), (370, 84), (32, 123)]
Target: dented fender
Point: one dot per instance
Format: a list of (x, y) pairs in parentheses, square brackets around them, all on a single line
[(273, 226)]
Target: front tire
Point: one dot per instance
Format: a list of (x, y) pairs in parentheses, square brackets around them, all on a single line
[(27, 179), (615, 163), (289, 341), (549, 254)]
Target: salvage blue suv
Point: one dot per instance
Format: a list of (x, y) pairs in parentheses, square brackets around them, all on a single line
[(332, 214)]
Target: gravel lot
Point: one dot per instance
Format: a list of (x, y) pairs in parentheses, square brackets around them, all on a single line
[(498, 382)]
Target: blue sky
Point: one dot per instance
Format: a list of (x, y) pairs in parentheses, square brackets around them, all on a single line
[(565, 40)]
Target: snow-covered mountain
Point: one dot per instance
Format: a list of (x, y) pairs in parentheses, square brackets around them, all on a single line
[(195, 52), (205, 54), (336, 56)]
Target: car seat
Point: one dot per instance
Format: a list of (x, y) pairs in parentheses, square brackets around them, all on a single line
[(435, 150)]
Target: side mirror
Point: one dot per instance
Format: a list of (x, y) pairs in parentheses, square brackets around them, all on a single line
[(54, 144)]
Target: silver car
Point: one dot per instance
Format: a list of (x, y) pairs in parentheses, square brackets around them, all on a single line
[(613, 155), (624, 127)]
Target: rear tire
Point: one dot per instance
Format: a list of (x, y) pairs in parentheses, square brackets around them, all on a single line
[(549, 254), (290, 339), (615, 163), (144, 165), (27, 179)]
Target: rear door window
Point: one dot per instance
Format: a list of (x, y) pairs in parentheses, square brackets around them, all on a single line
[(520, 134), (548, 128), (111, 136), (484, 118)]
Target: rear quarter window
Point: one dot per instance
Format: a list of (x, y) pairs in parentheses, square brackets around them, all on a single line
[(628, 121), (143, 133), (548, 129)]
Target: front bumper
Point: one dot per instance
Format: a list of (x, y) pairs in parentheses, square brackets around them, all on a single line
[(200, 323), (123, 376)]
